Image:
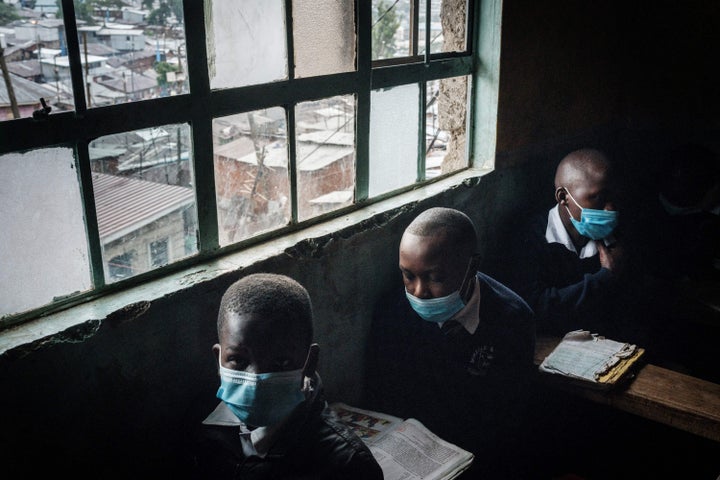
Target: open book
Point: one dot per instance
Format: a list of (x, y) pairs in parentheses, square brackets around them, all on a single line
[(405, 449), (593, 360)]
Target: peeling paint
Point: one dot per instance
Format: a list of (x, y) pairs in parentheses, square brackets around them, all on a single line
[(127, 313), (75, 334)]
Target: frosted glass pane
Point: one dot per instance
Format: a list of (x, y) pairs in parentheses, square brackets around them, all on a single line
[(325, 147), (246, 42), (144, 199), (252, 184), (394, 115), (43, 247), (326, 50)]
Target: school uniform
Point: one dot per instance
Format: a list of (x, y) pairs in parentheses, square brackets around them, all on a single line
[(311, 444), (467, 379)]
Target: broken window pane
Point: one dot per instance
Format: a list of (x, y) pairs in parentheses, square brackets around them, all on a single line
[(325, 155), (252, 184)]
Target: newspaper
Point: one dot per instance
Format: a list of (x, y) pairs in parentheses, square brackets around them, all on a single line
[(405, 449)]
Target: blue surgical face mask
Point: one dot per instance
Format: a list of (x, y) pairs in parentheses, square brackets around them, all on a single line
[(260, 399), (436, 309), (594, 224)]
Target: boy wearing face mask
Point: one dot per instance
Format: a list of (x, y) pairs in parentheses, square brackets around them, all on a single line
[(272, 421), (452, 347), (569, 264)]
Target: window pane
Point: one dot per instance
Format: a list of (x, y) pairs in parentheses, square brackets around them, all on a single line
[(394, 125), (43, 251), (129, 54), (246, 42), (395, 23), (446, 125), (325, 155), (31, 49), (391, 29), (326, 50), (252, 184), (144, 198)]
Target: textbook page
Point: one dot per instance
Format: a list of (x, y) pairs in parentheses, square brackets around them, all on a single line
[(405, 450), (586, 356)]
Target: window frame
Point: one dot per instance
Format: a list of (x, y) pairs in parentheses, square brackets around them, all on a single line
[(76, 129)]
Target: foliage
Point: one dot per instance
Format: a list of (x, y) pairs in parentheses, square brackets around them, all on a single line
[(385, 24), (159, 15), (177, 8), (7, 13), (162, 68), (85, 9)]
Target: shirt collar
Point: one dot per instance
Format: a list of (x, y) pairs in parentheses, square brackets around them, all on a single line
[(556, 233), (469, 316)]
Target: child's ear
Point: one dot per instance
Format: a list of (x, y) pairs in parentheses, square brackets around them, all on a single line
[(216, 353), (561, 195)]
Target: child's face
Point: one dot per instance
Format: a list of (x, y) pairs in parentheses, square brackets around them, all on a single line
[(431, 266), (255, 344)]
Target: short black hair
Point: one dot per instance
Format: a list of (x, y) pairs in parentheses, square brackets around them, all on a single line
[(273, 296), (457, 226)]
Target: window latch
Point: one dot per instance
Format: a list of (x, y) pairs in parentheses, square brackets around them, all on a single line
[(42, 113)]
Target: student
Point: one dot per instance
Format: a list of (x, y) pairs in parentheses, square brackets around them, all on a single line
[(452, 347), (272, 421), (570, 263)]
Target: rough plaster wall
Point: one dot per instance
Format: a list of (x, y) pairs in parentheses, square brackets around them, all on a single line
[(452, 101)]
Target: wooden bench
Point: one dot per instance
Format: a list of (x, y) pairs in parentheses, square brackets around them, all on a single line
[(656, 393)]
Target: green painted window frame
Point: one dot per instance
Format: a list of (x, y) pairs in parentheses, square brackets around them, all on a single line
[(78, 128)]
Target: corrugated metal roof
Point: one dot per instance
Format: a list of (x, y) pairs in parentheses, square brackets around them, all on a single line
[(126, 204), (26, 92)]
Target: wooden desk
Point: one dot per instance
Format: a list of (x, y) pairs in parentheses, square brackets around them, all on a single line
[(656, 393)]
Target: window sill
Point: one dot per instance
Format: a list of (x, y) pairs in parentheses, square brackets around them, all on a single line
[(51, 328)]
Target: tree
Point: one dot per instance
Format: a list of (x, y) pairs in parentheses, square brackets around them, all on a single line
[(177, 8), (159, 15), (85, 9), (7, 13), (385, 24), (162, 68)]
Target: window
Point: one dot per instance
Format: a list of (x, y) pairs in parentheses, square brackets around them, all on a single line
[(149, 140), (159, 253)]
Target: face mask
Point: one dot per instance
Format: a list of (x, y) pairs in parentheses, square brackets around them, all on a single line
[(436, 309), (594, 224), (260, 399)]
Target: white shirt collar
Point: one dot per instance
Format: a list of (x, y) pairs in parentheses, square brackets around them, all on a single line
[(556, 233), (469, 316)]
